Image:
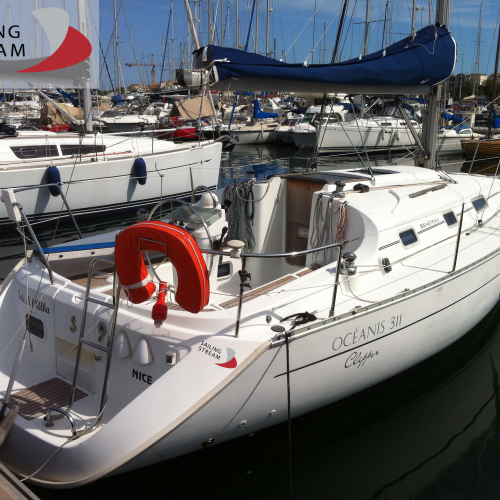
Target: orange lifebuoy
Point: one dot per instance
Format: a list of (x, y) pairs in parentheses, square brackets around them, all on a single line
[(193, 287), (455, 108)]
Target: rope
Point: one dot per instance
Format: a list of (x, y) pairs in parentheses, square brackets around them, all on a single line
[(290, 476)]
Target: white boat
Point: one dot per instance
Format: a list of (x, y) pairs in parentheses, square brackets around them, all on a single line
[(100, 173), (450, 137), (284, 131), (260, 132), (202, 379), (118, 122), (385, 130)]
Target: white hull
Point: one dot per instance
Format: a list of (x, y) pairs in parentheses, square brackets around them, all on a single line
[(109, 183), (384, 322), (255, 134), (348, 137)]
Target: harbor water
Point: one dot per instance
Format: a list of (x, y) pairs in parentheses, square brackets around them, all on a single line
[(432, 432)]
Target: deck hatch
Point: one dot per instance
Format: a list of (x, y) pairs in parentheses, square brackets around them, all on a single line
[(34, 401)]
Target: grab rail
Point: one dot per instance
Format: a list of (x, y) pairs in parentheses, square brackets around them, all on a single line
[(244, 257)]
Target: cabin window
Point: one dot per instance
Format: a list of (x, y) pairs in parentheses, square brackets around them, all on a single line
[(479, 203), (450, 218), (465, 132), (83, 149), (408, 237), (224, 270), (28, 152), (35, 326)]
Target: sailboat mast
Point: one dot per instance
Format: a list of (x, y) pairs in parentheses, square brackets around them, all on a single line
[(268, 10), (117, 51), (367, 27), (429, 133), (83, 28), (477, 80), (494, 92), (237, 26), (413, 13)]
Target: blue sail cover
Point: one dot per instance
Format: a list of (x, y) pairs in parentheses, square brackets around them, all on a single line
[(406, 67), (258, 113)]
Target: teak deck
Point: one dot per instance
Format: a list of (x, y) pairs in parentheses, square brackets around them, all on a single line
[(35, 401)]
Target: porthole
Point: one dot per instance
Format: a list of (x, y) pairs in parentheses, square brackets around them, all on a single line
[(479, 203), (35, 326), (224, 270), (450, 218), (408, 237)]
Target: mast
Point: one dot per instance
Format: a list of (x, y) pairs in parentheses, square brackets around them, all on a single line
[(173, 39), (197, 46), (256, 41), (237, 26), (268, 11), (222, 23), (429, 133), (117, 51), (367, 28), (477, 79), (494, 92), (83, 28), (414, 10), (314, 32)]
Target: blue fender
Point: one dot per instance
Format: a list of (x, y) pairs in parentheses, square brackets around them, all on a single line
[(140, 171), (54, 177)]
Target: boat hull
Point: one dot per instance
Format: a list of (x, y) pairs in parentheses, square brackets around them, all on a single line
[(347, 139), (87, 184), (332, 361)]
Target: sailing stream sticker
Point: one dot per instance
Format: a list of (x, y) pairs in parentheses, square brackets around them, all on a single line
[(216, 353), (67, 61)]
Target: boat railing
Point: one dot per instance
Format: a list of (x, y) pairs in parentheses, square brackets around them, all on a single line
[(479, 142), (244, 275), (18, 215)]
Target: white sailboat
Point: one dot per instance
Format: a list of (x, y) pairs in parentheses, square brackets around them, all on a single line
[(101, 173), (356, 275)]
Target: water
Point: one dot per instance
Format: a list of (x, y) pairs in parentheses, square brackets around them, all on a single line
[(429, 433)]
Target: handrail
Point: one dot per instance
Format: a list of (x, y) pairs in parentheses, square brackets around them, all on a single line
[(63, 413), (206, 190), (275, 255), (479, 141), (38, 186)]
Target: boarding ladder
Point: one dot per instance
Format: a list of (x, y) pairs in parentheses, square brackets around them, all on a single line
[(82, 341)]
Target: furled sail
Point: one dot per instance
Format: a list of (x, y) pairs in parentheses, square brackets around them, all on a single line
[(406, 67)]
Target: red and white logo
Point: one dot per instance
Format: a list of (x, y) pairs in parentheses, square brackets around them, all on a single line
[(67, 45), (67, 61)]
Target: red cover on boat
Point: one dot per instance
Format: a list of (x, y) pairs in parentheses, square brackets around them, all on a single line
[(193, 287)]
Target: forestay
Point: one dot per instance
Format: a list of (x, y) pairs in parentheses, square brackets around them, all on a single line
[(408, 66)]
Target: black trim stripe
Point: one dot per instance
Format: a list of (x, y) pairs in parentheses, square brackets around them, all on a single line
[(390, 333), (389, 245), (431, 227)]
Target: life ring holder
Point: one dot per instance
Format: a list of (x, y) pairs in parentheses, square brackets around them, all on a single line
[(202, 220)]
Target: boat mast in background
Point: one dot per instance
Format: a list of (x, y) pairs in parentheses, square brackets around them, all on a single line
[(83, 27), (494, 91), (429, 133), (117, 51)]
